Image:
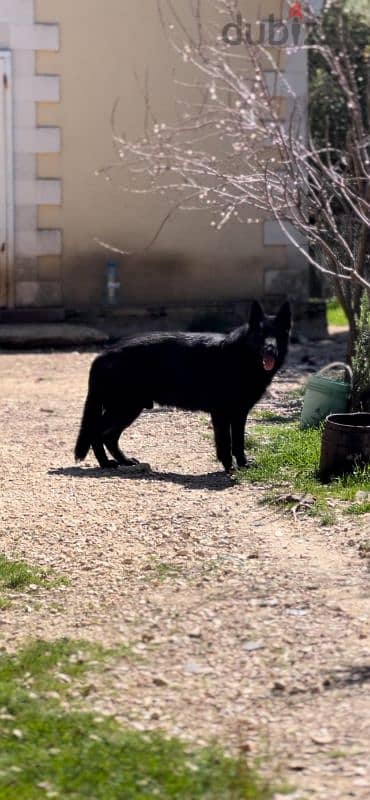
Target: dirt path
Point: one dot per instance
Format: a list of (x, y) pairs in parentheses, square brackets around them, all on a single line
[(249, 627)]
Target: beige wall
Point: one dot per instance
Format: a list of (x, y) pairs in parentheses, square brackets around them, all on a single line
[(102, 45)]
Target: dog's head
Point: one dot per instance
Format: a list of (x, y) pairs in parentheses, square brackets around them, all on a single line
[(269, 336)]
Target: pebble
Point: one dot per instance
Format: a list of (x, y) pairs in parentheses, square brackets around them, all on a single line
[(253, 645)]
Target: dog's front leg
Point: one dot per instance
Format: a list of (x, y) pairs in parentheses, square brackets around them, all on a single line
[(238, 433), (222, 431)]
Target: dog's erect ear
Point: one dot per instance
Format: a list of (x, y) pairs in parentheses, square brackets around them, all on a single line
[(284, 317), (256, 315)]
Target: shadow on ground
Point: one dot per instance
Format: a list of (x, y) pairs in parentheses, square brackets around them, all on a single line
[(348, 676), (214, 481)]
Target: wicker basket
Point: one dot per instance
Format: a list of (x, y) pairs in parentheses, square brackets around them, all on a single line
[(345, 443)]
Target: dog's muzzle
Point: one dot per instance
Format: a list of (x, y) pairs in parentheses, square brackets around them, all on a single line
[(270, 356)]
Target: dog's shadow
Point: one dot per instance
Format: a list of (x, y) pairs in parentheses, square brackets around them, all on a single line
[(214, 481)]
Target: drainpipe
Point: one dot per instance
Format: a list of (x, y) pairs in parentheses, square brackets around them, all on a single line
[(113, 284)]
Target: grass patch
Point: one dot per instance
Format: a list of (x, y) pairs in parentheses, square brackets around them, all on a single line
[(48, 751), (337, 754), (46, 666), (161, 570), (297, 393), (265, 415), (358, 509), (17, 576), (335, 314), (287, 458)]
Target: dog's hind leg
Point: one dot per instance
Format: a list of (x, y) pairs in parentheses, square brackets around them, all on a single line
[(113, 426), (101, 456), (238, 421), (222, 431), (110, 429)]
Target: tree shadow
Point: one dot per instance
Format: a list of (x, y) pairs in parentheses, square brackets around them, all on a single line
[(213, 481)]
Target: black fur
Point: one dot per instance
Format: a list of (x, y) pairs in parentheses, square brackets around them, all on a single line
[(220, 374)]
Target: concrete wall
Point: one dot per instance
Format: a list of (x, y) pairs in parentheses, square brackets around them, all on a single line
[(73, 60)]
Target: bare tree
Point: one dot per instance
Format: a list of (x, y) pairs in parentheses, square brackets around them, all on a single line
[(242, 141)]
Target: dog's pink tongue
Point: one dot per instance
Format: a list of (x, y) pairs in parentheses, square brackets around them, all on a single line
[(268, 362)]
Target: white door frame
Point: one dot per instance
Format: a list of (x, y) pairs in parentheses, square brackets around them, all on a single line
[(6, 121)]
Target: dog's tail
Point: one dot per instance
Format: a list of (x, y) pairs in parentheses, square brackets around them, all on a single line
[(89, 423)]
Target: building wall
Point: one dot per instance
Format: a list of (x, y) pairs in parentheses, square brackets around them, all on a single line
[(22, 37), (71, 62)]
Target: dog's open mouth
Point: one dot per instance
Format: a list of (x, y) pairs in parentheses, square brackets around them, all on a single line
[(269, 360)]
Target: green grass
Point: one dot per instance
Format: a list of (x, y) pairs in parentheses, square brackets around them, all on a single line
[(161, 570), (337, 754), (265, 415), (17, 576), (44, 663), (297, 393), (50, 751), (287, 459), (335, 314), (359, 508)]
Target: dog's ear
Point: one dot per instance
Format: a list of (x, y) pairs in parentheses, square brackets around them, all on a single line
[(284, 317), (256, 315)]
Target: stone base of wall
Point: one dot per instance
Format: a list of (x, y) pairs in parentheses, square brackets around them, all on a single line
[(309, 317), (26, 316)]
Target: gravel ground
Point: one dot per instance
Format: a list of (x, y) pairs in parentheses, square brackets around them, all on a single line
[(248, 626)]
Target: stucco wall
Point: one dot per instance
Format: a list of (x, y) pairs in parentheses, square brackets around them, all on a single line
[(103, 44), (21, 38)]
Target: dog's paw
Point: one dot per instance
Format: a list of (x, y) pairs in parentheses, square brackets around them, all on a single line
[(135, 469), (249, 463), (229, 468)]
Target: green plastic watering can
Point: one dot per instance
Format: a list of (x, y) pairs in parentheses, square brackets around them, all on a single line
[(325, 396)]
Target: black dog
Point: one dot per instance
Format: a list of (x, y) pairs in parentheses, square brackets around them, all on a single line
[(224, 375)]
